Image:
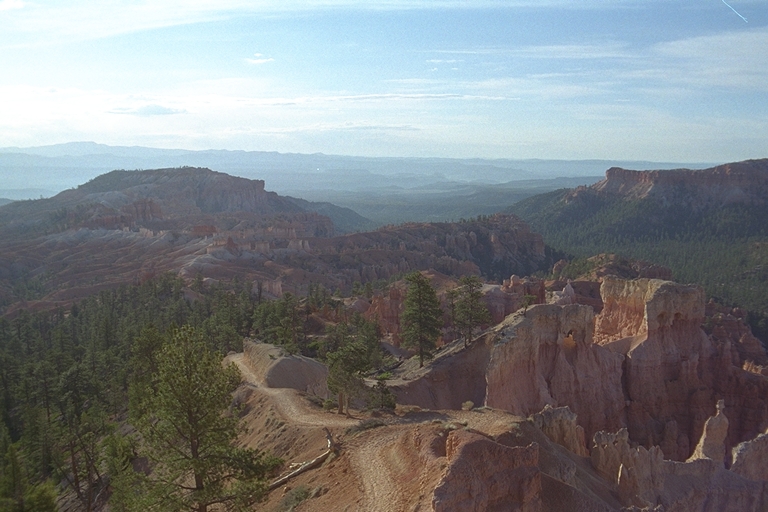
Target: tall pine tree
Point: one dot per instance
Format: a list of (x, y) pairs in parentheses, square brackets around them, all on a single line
[(422, 317)]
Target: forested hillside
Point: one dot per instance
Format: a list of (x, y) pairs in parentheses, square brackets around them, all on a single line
[(721, 245), (71, 378), (65, 376)]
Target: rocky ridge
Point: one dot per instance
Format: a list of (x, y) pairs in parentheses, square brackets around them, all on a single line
[(740, 182)]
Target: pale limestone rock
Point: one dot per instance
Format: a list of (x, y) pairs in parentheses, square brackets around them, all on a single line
[(559, 425), (547, 357), (278, 370), (642, 470), (712, 442)]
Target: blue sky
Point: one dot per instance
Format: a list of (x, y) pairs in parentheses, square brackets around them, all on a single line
[(656, 80)]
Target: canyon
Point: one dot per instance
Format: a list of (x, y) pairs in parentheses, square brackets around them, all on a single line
[(618, 390)]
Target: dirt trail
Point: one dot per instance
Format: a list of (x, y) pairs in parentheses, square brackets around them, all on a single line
[(289, 403), (367, 453), (381, 490)]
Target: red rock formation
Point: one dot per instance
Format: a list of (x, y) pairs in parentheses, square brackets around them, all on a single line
[(654, 371), (386, 308), (576, 292), (673, 372), (727, 325), (547, 357), (483, 475), (741, 182), (509, 297), (143, 210), (559, 425), (204, 231)]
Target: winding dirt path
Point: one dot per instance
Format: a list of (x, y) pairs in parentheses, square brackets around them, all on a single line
[(367, 453), (290, 405)]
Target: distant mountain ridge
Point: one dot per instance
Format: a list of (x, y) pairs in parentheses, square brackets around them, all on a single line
[(63, 166)]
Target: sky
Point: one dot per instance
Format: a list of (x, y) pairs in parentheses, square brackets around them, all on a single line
[(666, 80)]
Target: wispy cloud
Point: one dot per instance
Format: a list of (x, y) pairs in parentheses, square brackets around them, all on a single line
[(93, 19), (259, 58), (148, 110), (571, 51), (730, 60), (345, 127)]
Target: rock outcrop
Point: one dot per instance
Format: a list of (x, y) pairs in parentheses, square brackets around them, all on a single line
[(559, 425), (483, 475), (750, 458), (456, 376), (654, 371), (636, 472), (276, 369), (712, 443), (547, 357), (643, 479)]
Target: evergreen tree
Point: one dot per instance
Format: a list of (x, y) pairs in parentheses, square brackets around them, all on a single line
[(346, 367), (422, 317), (470, 311), (189, 436)]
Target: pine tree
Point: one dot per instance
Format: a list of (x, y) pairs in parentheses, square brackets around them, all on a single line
[(189, 436), (471, 312), (422, 317)]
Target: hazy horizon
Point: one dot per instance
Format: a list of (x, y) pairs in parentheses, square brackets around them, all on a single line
[(28, 173), (612, 80)]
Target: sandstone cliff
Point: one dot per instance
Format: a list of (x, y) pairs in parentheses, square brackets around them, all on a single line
[(643, 364), (741, 182)]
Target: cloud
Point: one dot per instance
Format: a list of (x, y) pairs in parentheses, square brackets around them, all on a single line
[(730, 60), (259, 59), (148, 110), (343, 127), (570, 51), (40, 23)]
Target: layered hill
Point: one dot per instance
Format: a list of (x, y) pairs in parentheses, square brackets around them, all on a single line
[(127, 226), (709, 226), (175, 198)]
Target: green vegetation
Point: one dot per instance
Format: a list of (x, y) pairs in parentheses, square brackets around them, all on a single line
[(351, 350), (470, 312), (422, 317), (293, 498), (187, 436), (66, 377), (723, 248)]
